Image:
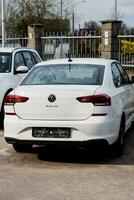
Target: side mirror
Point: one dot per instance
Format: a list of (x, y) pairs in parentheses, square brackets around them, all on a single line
[(21, 70)]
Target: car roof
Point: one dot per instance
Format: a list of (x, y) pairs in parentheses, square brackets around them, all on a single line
[(97, 61), (6, 49), (11, 49)]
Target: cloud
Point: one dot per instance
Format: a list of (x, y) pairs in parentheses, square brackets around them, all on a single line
[(98, 10), (126, 3)]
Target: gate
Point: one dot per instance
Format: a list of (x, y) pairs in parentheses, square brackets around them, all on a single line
[(58, 46)]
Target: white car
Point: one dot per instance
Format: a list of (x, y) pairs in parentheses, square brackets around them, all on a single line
[(76, 101), (12, 69)]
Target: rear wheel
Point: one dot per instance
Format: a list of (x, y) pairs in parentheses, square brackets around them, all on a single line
[(118, 146), (22, 148)]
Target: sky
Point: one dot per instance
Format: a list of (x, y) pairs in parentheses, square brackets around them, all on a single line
[(98, 10)]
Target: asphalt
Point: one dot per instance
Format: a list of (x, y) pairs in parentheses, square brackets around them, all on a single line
[(66, 174)]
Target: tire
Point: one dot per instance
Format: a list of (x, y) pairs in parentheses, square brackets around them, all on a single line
[(22, 148), (118, 147)]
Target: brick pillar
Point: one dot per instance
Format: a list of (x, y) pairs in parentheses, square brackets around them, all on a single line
[(35, 32), (110, 42)]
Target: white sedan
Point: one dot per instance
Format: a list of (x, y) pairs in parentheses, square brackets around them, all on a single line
[(66, 101)]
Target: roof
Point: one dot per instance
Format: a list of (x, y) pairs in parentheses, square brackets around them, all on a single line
[(110, 21), (96, 61), (11, 49), (6, 49)]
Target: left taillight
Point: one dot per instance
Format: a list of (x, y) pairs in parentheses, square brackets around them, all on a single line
[(12, 99)]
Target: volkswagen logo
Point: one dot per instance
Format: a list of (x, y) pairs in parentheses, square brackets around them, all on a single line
[(51, 98)]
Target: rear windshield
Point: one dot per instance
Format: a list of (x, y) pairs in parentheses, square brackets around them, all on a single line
[(70, 74), (5, 62)]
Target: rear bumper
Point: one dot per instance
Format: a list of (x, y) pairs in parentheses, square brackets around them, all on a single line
[(94, 128), (100, 142)]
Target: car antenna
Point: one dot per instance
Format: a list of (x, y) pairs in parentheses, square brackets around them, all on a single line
[(69, 57)]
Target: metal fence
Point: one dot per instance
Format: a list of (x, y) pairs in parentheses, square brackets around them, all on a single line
[(15, 41), (55, 46), (81, 45)]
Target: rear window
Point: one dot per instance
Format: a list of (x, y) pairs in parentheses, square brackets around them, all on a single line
[(70, 74)]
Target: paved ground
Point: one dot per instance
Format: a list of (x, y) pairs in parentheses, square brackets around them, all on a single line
[(63, 175)]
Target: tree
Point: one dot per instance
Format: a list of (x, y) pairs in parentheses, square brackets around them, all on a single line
[(125, 30), (61, 20), (127, 47), (21, 13), (64, 6), (93, 26)]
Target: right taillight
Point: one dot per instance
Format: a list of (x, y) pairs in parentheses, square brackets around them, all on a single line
[(12, 99), (97, 100)]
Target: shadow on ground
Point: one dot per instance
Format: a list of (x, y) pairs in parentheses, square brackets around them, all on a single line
[(93, 155), (72, 155)]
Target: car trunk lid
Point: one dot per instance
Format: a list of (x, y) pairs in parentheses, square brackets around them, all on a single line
[(54, 103)]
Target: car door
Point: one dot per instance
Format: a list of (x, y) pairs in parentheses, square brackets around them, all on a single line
[(28, 59), (129, 94), (126, 93), (18, 61), (36, 57)]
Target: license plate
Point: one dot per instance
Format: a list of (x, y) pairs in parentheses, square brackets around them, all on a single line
[(51, 132)]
